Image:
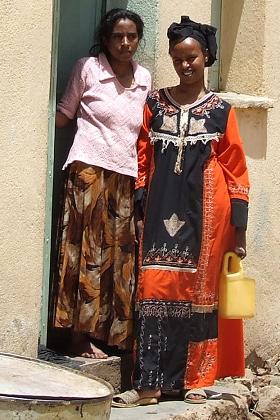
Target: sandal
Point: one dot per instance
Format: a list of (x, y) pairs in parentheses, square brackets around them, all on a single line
[(208, 394), (130, 399), (215, 395), (199, 392)]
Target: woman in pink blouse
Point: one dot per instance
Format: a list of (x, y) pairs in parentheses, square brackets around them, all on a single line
[(106, 93)]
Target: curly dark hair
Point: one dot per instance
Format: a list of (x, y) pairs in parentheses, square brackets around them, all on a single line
[(107, 24)]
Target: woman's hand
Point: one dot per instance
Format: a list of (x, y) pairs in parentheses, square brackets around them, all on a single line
[(138, 220), (139, 226), (240, 242)]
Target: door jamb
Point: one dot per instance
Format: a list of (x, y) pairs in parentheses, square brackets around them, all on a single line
[(49, 181)]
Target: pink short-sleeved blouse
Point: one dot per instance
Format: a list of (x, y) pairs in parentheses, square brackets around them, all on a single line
[(109, 116)]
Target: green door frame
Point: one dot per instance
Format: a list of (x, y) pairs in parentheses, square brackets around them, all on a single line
[(214, 71), (49, 183), (50, 173)]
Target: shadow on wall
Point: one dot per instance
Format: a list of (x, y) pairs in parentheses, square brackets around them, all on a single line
[(253, 129), (229, 31)]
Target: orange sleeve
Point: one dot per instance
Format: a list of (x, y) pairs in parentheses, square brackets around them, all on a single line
[(145, 149), (231, 157)]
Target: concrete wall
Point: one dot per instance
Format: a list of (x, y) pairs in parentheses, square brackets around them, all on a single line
[(242, 37), (263, 333), (25, 45), (249, 52)]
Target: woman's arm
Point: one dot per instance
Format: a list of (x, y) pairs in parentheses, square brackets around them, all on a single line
[(240, 242), (231, 157), (70, 101), (61, 120), (145, 150)]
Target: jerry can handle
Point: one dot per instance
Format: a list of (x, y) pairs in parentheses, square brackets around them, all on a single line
[(232, 263)]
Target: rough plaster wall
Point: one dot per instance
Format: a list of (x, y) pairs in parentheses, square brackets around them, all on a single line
[(242, 46), (169, 12), (263, 333), (25, 45)]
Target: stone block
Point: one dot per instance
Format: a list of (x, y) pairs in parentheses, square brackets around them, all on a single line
[(269, 402), (246, 380), (107, 369), (275, 380)]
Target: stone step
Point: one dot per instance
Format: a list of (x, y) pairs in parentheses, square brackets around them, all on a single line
[(116, 369), (107, 369)]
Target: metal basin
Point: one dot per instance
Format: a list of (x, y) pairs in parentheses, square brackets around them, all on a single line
[(34, 389)]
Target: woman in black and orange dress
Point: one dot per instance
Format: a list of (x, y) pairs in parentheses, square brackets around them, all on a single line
[(193, 188)]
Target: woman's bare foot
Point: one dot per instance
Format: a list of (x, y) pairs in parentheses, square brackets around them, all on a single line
[(94, 352), (82, 346)]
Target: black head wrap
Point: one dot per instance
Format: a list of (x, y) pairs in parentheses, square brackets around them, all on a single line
[(204, 34)]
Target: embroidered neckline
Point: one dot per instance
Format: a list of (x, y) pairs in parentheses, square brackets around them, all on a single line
[(188, 106), (175, 140)]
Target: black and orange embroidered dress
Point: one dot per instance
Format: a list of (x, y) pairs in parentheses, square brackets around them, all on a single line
[(193, 187)]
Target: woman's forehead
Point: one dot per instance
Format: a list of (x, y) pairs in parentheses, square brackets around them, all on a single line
[(126, 25), (187, 46)]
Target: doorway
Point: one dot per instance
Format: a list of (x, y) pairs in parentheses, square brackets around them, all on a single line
[(74, 27)]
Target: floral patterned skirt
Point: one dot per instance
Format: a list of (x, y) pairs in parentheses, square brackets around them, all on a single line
[(95, 285)]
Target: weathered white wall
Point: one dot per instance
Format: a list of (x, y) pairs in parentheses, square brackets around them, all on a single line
[(25, 45), (263, 333), (242, 46), (249, 53)]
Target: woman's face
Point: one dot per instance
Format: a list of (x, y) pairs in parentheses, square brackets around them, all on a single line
[(123, 41), (189, 61)]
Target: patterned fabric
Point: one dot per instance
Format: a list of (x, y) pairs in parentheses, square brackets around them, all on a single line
[(96, 266), (160, 361), (191, 167), (176, 349), (109, 116)]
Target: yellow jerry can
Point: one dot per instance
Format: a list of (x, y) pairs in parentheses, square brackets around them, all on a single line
[(237, 293)]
